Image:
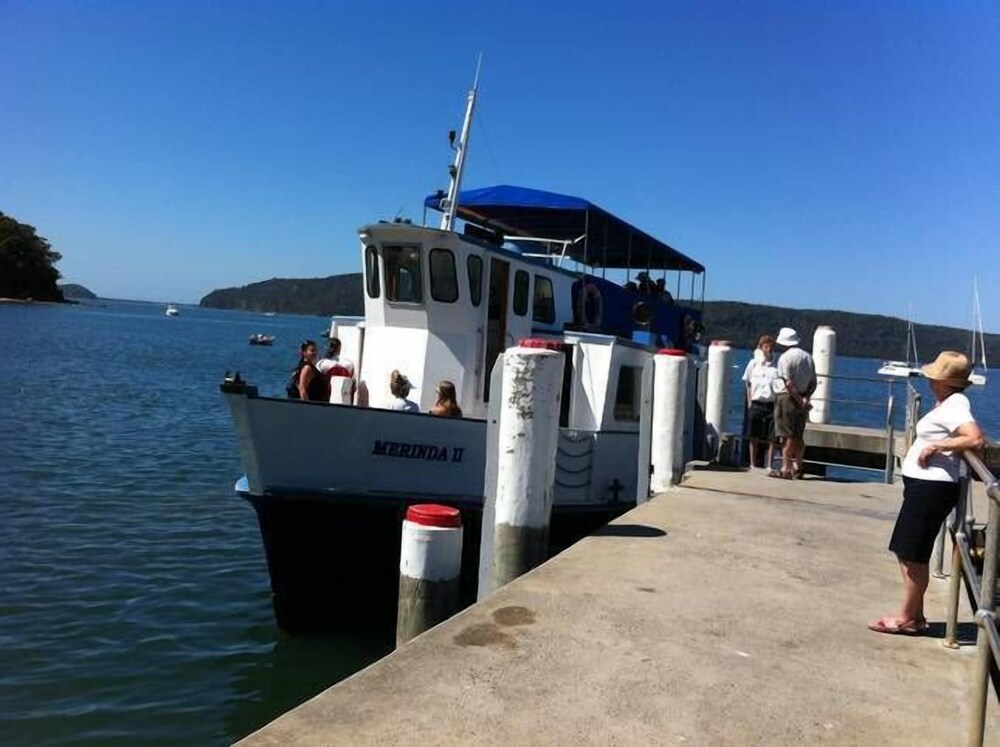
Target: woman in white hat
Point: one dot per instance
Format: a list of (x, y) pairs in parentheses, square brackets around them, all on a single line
[(930, 485)]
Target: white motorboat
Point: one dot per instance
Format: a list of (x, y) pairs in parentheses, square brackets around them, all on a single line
[(330, 482), (172, 310)]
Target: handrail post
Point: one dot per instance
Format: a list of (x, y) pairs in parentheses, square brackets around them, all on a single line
[(954, 588), (939, 551), (890, 445), (984, 652), (958, 527)]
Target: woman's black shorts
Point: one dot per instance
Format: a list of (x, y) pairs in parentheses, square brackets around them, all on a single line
[(926, 504), (762, 421)]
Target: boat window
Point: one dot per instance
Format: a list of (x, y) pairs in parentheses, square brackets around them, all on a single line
[(444, 280), (628, 393), (371, 272), (402, 274), (521, 280), (544, 310), (475, 267)]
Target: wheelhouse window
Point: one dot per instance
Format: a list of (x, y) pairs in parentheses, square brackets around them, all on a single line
[(475, 267), (627, 393), (521, 281), (444, 279), (371, 273), (402, 274), (544, 306)]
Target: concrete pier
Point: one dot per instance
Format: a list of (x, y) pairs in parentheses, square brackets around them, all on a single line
[(728, 610)]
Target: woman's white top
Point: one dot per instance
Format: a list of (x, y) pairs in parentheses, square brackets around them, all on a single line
[(406, 405), (937, 425), (759, 375)]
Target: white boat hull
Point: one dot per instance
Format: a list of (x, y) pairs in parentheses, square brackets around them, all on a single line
[(330, 484)]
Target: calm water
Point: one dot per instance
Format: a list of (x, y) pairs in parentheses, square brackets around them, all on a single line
[(135, 601), (136, 605)]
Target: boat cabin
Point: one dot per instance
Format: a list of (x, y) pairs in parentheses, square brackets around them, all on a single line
[(444, 305)]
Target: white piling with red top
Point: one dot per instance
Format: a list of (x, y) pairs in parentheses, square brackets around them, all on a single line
[(430, 565)]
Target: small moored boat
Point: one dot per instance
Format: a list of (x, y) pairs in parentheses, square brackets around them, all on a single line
[(259, 339)]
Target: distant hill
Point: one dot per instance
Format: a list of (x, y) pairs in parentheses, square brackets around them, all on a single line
[(338, 294), (858, 335), (72, 290)]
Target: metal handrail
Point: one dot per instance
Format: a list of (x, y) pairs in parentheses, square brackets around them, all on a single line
[(841, 377), (984, 597)]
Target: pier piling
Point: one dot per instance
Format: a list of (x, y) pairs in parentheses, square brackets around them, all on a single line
[(430, 564), (716, 398), (528, 435), (669, 394), (824, 355)]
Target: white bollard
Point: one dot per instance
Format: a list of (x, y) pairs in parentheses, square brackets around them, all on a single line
[(717, 397), (824, 355), (528, 435), (667, 440), (430, 564)]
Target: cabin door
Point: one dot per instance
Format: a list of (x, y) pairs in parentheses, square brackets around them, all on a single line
[(496, 319)]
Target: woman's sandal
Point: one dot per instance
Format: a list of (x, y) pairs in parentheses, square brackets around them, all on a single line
[(780, 475), (883, 625)]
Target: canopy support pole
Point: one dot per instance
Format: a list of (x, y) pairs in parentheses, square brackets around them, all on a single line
[(628, 262), (604, 253)]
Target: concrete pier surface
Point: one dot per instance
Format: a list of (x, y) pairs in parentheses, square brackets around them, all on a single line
[(729, 610)]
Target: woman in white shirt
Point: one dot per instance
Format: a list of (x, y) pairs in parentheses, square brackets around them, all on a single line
[(930, 485), (759, 378)]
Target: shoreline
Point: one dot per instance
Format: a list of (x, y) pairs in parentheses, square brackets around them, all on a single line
[(32, 302)]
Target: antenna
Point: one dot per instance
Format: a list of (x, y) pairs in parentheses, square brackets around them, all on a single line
[(450, 203)]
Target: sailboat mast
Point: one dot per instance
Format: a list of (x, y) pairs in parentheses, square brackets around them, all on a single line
[(451, 205), (977, 321)]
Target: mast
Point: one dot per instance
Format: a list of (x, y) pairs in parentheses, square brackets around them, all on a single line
[(977, 324), (451, 202)]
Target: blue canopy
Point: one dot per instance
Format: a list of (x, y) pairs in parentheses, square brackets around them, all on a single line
[(608, 240)]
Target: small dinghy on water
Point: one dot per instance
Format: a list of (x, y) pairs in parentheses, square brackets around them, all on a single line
[(330, 481), (259, 339), (172, 310)]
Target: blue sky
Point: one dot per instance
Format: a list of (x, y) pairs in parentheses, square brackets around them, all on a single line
[(814, 154)]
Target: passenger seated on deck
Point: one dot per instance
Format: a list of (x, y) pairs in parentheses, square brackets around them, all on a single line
[(340, 373), (334, 364), (400, 387), (631, 288), (306, 383), (645, 287), (447, 401), (662, 293)]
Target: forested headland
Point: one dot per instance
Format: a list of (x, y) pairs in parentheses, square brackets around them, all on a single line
[(858, 335), (337, 294), (27, 263)]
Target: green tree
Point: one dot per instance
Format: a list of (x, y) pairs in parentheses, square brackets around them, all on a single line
[(26, 263)]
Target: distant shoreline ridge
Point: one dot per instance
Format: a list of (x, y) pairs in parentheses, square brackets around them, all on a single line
[(859, 335)]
